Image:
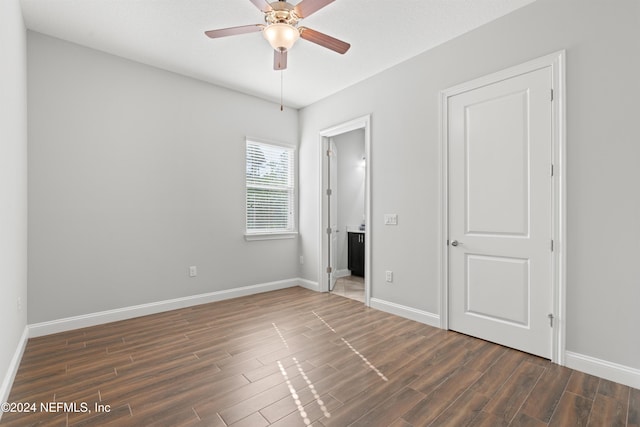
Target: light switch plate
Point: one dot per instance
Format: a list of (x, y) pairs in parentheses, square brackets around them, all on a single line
[(390, 219)]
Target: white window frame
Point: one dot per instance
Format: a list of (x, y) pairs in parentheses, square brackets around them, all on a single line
[(284, 233)]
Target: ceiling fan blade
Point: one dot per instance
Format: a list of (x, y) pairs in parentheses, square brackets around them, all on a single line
[(307, 7), (263, 5), (324, 40), (224, 32), (279, 60)]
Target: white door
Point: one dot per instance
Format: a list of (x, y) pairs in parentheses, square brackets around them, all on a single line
[(332, 164), (500, 212)]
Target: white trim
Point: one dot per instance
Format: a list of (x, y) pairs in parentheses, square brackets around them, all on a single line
[(556, 61), (93, 319), (251, 237), (411, 313), (271, 142), (284, 233), (603, 369), (363, 122), (12, 370), (443, 212), (560, 206), (308, 284)]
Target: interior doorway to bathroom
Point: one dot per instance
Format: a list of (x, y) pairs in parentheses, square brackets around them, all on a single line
[(345, 209)]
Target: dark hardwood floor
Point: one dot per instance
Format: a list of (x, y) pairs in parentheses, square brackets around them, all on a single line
[(296, 357)]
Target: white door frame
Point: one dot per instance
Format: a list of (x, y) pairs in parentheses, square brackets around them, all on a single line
[(557, 63), (364, 123)]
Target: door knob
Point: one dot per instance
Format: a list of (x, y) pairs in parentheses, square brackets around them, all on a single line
[(455, 243)]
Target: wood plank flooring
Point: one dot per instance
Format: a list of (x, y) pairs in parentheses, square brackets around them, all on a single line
[(296, 357)]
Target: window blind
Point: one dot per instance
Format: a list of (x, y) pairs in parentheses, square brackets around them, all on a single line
[(270, 180)]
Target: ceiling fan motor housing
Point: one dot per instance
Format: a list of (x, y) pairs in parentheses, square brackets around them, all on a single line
[(281, 12)]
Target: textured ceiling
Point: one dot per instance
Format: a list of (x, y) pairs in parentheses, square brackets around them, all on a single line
[(168, 34)]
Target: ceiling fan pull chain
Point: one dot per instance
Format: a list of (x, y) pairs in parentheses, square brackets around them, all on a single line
[(281, 89)]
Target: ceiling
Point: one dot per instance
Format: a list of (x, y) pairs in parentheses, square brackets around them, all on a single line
[(169, 34)]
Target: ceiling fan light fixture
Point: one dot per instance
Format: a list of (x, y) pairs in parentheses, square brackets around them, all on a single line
[(281, 36)]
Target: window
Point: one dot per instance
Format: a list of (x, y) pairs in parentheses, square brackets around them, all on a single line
[(270, 188)]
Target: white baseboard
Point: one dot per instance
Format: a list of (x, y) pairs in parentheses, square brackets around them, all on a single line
[(10, 375), (604, 369), (342, 273), (308, 284), (407, 312), (93, 319)]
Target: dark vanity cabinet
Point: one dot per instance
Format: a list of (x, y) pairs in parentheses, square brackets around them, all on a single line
[(356, 253)]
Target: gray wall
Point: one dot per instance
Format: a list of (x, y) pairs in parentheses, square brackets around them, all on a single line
[(134, 175), (13, 182), (602, 40), (350, 147)]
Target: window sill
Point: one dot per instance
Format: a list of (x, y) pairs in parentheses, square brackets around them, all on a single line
[(270, 236)]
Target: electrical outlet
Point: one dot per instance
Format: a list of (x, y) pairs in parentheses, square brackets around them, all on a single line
[(193, 271), (301, 259), (390, 219), (389, 276)]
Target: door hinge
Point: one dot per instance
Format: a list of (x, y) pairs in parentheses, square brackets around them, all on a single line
[(329, 153), (551, 245), (551, 90), (329, 191), (550, 316), (328, 230), (329, 269), (552, 169)]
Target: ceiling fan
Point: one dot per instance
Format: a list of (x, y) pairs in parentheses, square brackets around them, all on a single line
[(281, 29)]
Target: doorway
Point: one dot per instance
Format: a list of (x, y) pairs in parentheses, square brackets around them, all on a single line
[(503, 207), (345, 206)]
